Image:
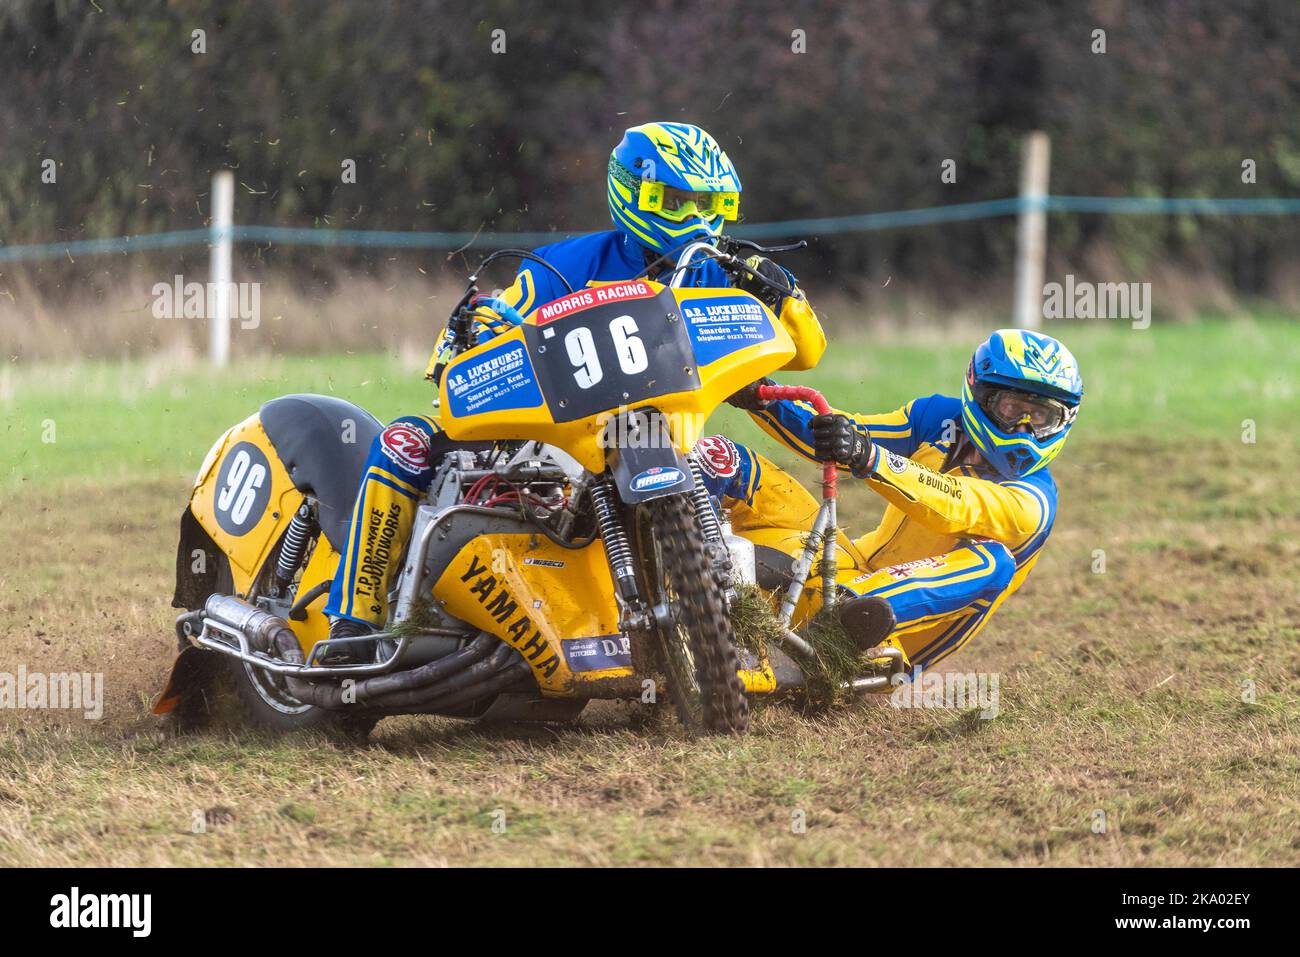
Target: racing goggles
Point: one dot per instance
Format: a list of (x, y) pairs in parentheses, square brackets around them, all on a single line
[(675, 204), (1011, 410)]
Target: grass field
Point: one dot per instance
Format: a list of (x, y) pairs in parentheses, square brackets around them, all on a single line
[(1160, 692)]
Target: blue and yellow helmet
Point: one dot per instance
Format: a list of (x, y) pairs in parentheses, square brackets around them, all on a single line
[(1021, 395), (670, 184)]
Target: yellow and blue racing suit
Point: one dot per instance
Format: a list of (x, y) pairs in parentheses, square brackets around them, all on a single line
[(954, 542), (402, 458)]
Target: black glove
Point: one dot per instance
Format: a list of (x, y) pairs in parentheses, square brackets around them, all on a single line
[(765, 293), (747, 398), (836, 440)]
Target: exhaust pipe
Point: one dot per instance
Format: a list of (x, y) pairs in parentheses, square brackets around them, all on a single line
[(269, 633), (390, 690), (253, 623), (485, 664), (514, 672)]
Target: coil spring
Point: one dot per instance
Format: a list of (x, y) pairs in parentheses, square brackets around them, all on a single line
[(295, 544), (617, 549), (703, 505), (719, 554)]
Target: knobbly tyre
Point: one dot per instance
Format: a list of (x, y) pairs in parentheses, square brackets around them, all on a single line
[(567, 550)]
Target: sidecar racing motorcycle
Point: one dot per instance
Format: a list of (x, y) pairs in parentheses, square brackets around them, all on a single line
[(567, 549)]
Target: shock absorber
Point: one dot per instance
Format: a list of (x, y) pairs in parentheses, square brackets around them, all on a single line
[(617, 549), (296, 537)]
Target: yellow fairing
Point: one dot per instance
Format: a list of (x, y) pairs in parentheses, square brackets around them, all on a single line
[(248, 549), (543, 600), (733, 371), (686, 411), (535, 423)]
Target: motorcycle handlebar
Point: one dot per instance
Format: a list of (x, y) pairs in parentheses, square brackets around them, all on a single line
[(803, 393), (758, 248), (684, 260), (724, 251)]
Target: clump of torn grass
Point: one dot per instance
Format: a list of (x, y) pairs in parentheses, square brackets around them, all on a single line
[(421, 618), (839, 660), (754, 620)]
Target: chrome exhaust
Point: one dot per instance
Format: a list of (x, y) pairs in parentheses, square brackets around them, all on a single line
[(254, 630), (260, 635)]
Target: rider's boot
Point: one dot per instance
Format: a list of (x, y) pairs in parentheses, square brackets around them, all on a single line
[(868, 619), (353, 652)]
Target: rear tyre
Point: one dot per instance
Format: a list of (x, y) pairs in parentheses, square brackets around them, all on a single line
[(260, 699), (696, 644)]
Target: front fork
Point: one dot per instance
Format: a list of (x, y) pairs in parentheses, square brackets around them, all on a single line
[(618, 548), (714, 542)]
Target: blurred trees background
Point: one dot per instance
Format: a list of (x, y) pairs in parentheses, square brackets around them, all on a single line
[(448, 135)]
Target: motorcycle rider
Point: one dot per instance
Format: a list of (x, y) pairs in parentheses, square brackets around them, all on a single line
[(669, 184), (970, 499)]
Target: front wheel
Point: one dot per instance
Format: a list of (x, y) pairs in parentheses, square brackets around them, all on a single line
[(695, 641)]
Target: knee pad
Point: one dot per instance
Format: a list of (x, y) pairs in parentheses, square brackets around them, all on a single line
[(1004, 564)]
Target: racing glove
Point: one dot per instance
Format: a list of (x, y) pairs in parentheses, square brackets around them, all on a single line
[(836, 440), (747, 398), (765, 293)]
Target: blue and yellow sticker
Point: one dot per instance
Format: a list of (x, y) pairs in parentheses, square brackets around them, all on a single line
[(721, 325), (496, 380)]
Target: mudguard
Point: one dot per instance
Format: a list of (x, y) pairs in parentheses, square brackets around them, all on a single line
[(323, 442), (644, 462)]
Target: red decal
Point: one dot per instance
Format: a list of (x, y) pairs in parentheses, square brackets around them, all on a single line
[(595, 296), (906, 569), (718, 456), (407, 446)]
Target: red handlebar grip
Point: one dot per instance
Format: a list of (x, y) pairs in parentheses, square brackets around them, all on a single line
[(802, 393), (798, 393)]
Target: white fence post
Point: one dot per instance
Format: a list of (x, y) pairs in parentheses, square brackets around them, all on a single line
[(1031, 237), (223, 212)]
